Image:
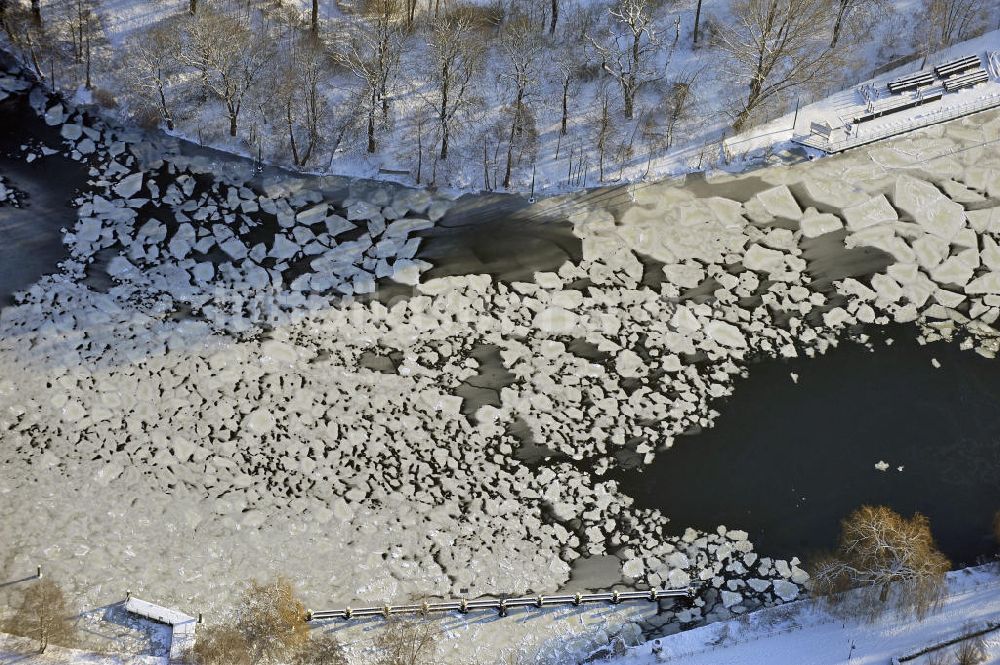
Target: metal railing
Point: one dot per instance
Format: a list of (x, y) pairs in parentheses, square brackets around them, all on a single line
[(501, 605), (887, 130)]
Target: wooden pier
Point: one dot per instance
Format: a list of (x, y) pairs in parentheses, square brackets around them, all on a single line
[(501, 605)]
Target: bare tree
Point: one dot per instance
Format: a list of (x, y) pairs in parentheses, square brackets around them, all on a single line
[(521, 47), (43, 615), (564, 63), (457, 56), (231, 56), (678, 104), (424, 117), (880, 551), (775, 46), (946, 22), (627, 52), (851, 10), (371, 53), (271, 620), (149, 61), (33, 42), (604, 129), (406, 643), (302, 105)]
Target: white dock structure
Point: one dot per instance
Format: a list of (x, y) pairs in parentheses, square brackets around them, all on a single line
[(182, 626)]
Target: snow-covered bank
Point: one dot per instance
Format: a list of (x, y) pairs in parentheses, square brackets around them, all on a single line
[(686, 99), (839, 109), (806, 633)]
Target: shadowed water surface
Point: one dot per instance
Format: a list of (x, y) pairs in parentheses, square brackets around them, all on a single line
[(787, 461), (30, 237)]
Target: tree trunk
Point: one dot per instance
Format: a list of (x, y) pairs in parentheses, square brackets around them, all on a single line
[(697, 19), (193, 6), (555, 17), (372, 110), (78, 33), (486, 166), (291, 131), (565, 112), (371, 130), (510, 154), (838, 24), (518, 127), (741, 119), (444, 112), (314, 25), (36, 12), (232, 122), (420, 148), (87, 55), (166, 112), (34, 56)]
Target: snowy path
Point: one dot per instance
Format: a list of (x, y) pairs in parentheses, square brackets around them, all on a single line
[(804, 634)]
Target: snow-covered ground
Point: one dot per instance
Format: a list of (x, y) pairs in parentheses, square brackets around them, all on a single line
[(24, 652), (807, 633)]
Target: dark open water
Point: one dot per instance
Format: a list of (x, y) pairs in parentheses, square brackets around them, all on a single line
[(786, 462)]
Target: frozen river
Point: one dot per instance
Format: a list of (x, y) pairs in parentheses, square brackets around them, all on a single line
[(208, 374)]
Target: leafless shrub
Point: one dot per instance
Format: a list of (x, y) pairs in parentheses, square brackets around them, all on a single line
[(484, 19), (881, 551), (221, 645), (406, 642), (43, 616), (105, 98), (320, 650), (937, 658), (971, 652)]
